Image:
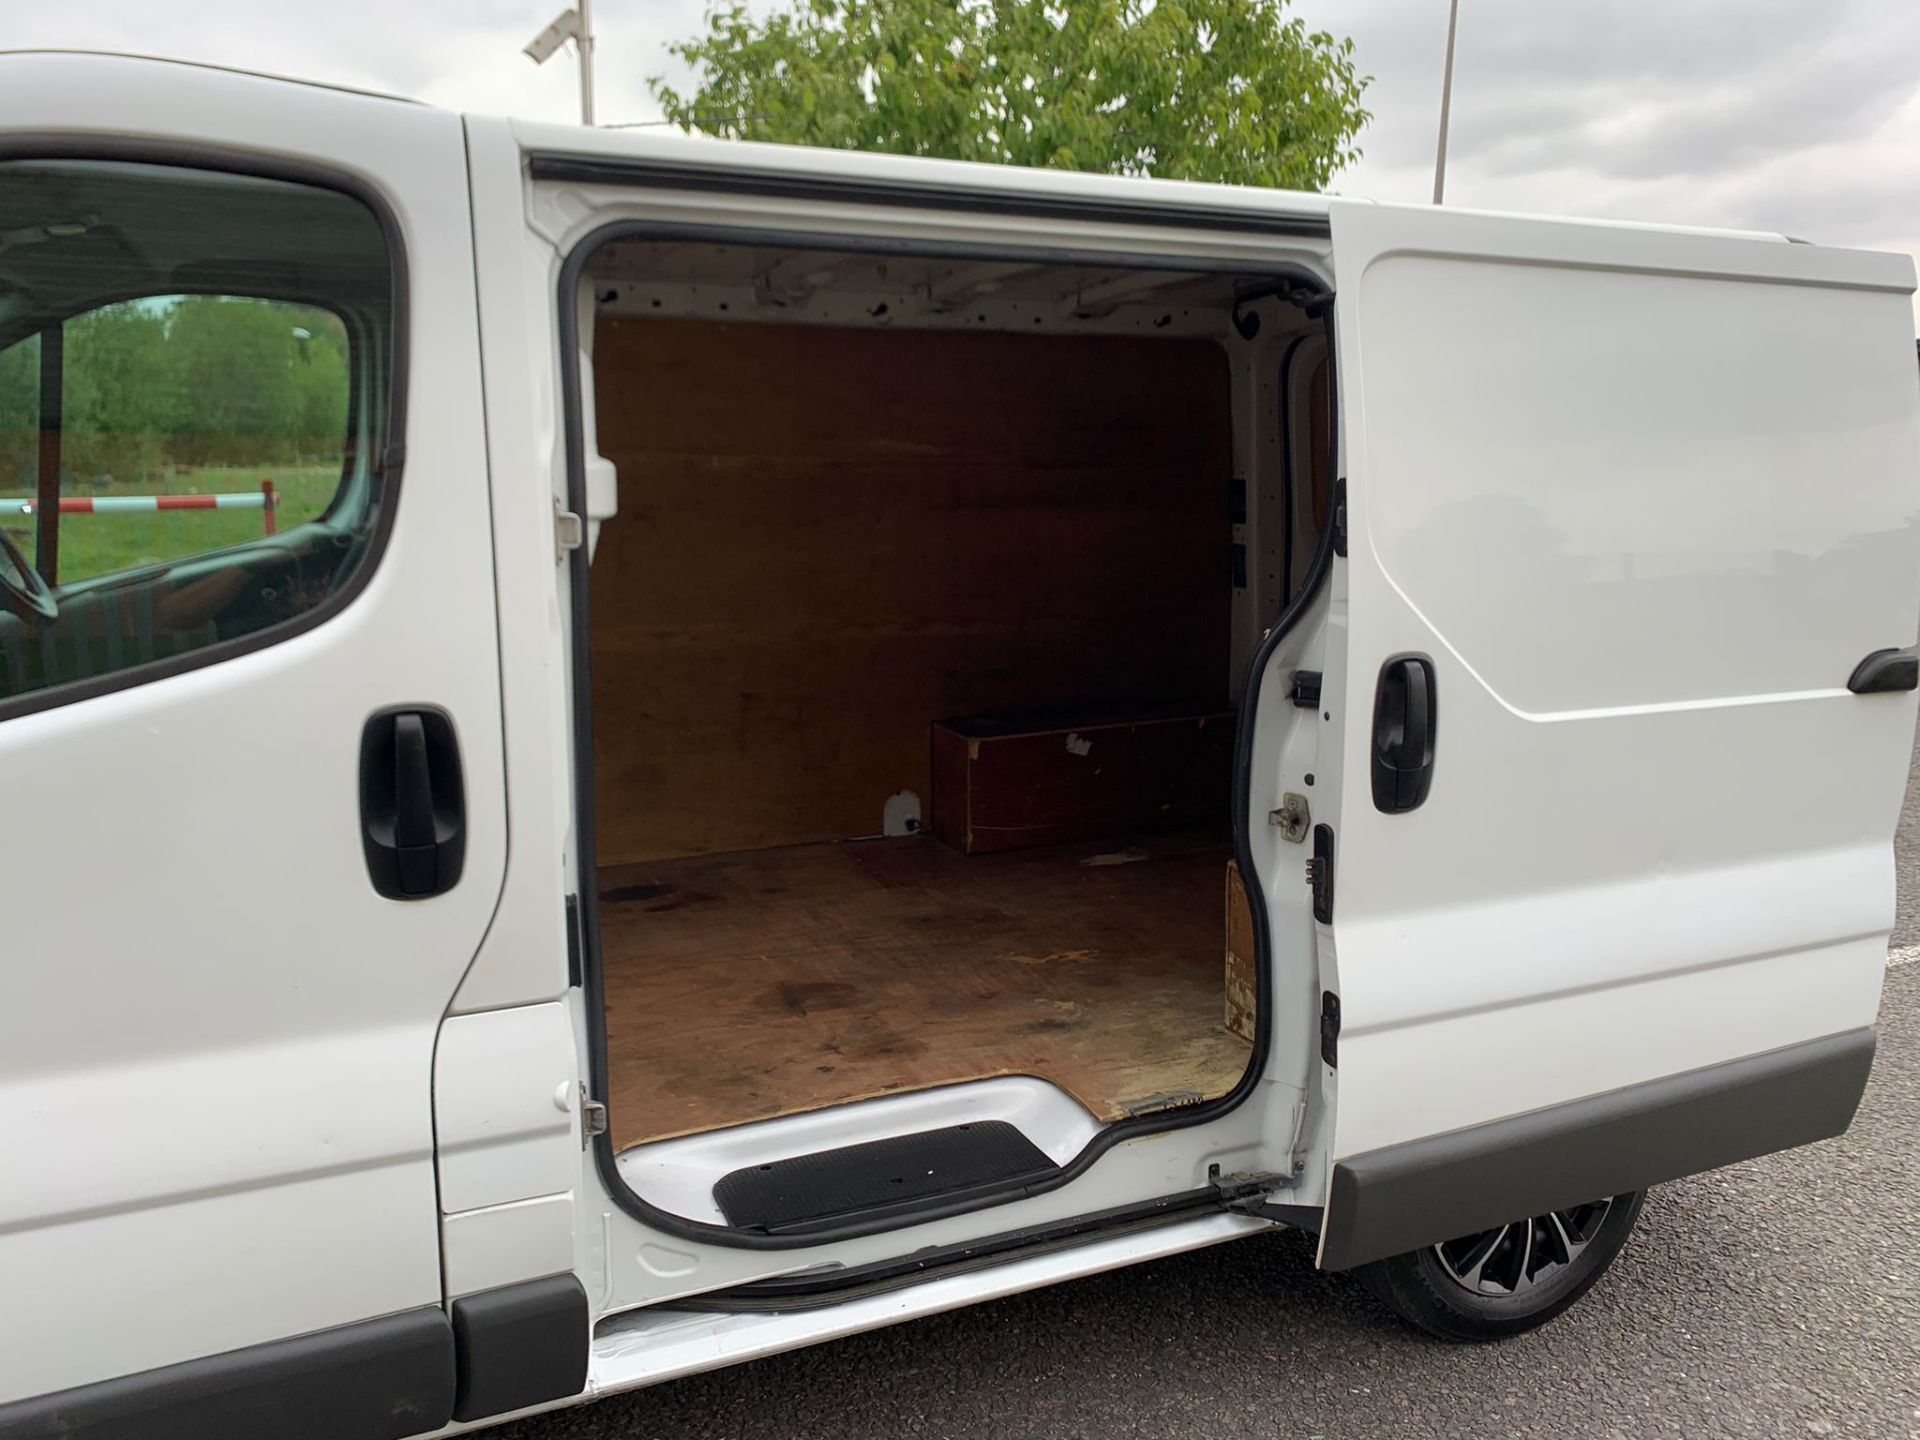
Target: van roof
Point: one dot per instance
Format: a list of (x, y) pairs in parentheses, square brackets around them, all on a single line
[(208, 65)]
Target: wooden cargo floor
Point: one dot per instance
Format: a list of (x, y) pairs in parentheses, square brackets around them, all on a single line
[(745, 986)]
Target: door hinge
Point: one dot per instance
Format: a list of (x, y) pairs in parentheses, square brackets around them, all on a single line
[(1248, 1190), (569, 531), (1252, 1194), (1330, 1029), (593, 1118)]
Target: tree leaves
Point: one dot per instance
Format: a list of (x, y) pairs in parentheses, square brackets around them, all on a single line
[(1230, 90)]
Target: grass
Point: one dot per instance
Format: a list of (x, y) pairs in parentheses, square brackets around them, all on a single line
[(93, 545)]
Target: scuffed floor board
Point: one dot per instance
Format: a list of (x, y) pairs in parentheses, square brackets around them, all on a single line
[(745, 986)]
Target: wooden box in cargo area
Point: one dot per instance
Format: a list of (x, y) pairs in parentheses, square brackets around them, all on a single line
[(1008, 782)]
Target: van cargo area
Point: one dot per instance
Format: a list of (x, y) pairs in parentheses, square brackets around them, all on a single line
[(915, 651)]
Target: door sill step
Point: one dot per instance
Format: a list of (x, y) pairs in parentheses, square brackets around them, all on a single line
[(880, 1177), (679, 1175)]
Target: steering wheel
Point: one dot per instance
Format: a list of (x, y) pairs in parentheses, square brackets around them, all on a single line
[(25, 593)]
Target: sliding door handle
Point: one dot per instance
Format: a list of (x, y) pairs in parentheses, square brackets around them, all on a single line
[(1403, 729), (413, 820), (1884, 671)]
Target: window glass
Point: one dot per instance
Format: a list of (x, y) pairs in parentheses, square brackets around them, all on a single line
[(194, 374)]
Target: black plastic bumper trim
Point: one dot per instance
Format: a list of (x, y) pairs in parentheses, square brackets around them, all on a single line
[(520, 1345), (1390, 1201), (374, 1380)]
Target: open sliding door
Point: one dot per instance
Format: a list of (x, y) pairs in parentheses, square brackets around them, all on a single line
[(1628, 510)]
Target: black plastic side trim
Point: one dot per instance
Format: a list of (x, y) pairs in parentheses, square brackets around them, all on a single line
[(784, 185), (1884, 671), (585, 816), (375, 1380), (1390, 1201), (265, 167), (520, 1345)]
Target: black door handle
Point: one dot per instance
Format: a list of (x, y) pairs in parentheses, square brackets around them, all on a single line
[(1884, 671), (1403, 730), (413, 821)]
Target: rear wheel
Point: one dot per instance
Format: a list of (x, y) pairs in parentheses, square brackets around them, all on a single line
[(1509, 1279)]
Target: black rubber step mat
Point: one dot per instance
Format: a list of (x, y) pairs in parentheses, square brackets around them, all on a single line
[(879, 1175)]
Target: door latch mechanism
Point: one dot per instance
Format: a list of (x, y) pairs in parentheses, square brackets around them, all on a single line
[(593, 1118), (1293, 819)]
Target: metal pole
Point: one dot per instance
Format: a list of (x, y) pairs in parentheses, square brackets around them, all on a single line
[(584, 44), (1446, 103)]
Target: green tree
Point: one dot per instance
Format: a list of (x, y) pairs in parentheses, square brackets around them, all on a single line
[(120, 393), (173, 382), (321, 382), (1232, 90)]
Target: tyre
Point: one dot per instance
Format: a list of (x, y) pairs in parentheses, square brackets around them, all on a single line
[(1507, 1280)]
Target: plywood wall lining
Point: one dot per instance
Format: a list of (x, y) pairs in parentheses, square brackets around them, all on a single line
[(830, 538)]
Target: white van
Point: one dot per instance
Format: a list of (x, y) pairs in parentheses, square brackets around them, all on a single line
[(623, 753)]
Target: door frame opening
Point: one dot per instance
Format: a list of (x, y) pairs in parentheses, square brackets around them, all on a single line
[(1299, 285)]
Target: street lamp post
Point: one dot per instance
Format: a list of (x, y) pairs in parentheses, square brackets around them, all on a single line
[(583, 42), (574, 24), (1446, 105)]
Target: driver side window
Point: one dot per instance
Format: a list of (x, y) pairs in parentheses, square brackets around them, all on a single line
[(194, 376)]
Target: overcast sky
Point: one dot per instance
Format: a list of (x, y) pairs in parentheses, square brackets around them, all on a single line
[(1764, 114)]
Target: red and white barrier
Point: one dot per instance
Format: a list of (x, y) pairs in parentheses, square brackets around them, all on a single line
[(266, 498)]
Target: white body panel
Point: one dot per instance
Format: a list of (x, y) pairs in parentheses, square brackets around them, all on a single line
[(216, 1040), (1645, 499), (506, 1106), (524, 958)]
